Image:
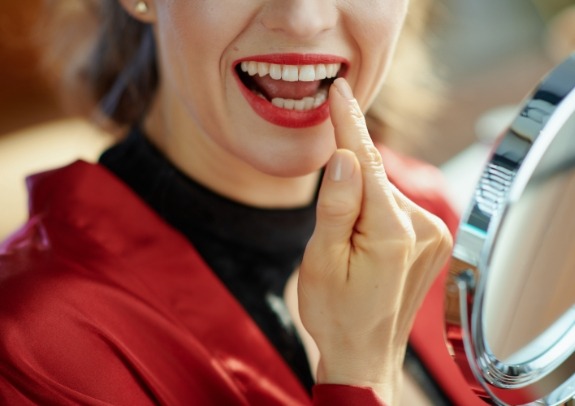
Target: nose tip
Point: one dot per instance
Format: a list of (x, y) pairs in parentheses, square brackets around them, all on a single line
[(299, 18)]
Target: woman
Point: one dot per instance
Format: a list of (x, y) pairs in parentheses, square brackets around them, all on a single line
[(172, 272)]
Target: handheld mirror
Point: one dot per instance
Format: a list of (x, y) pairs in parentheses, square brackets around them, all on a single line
[(510, 293)]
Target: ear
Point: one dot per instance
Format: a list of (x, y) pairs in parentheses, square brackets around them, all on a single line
[(142, 10)]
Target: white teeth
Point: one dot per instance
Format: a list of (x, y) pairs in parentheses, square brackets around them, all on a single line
[(252, 68), (289, 104), (294, 73), (320, 99), (275, 71), (307, 73), (331, 70), (291, 73), (307, 103), (263, 69), (278, 102), (298, 105), (321, 72)]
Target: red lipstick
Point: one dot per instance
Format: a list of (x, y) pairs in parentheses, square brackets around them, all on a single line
[(281, 116)]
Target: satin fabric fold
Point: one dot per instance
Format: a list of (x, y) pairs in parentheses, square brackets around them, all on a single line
[(102, 303)]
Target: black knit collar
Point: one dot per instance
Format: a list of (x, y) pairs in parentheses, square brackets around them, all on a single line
[(188, 205)]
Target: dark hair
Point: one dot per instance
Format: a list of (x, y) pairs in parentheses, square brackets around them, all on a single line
[(122, 71), (118, 75), (105, 57)]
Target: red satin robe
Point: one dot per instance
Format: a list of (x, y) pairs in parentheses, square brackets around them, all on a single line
[(101, 302)]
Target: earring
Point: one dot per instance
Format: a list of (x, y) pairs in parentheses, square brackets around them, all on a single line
[(141, 7)]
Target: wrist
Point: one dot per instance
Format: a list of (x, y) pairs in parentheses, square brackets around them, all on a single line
[(345, 395), (382, 374)]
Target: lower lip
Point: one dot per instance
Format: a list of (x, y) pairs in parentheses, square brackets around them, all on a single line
[(284, 117)]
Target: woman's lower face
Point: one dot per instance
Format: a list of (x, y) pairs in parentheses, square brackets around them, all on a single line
[(247, 80)]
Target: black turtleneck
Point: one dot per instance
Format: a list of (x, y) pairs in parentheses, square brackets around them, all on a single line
[(253, 251)]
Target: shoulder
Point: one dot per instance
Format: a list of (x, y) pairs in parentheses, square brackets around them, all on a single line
[(54, 279), (44, 333), (71, 334)]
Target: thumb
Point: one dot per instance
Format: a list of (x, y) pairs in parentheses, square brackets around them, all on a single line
[(339, 200)]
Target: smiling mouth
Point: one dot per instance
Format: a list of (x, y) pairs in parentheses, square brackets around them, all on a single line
[(290, 87)]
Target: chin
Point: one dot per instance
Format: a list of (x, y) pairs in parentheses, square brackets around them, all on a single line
[(285, 152), (294, 164)]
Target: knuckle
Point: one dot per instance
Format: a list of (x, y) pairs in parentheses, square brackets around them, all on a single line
[(335, 209), (439, 239), (424, 234), (357, 115), (372, 156), (400, 240), (406, 229)]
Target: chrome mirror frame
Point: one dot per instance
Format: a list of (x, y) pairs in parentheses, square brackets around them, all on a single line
[(549, 108)]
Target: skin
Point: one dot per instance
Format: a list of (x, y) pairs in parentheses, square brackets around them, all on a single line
[(200, 118), (372, 257), (374, 253)]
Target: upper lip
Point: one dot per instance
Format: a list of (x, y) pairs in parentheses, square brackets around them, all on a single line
[(297, 59)]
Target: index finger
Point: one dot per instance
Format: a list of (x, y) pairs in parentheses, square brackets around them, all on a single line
[(350, 127), (379, 206)]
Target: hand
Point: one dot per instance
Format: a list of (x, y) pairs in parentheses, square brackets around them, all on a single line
[(371, 260)]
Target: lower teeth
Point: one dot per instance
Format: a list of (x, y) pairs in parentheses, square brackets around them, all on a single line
[(307, 103)]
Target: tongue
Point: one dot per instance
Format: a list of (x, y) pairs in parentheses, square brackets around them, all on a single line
[(288, 90)]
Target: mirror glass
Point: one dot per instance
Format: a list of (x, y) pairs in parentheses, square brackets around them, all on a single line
[(510, 293), (529, 297)]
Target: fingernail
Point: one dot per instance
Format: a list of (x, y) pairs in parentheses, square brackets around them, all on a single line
[(341, 166), (343, 88)]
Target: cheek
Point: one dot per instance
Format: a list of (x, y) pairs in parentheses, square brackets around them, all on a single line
[(375, 26), (193, 36), (206, 24), (188, 34)]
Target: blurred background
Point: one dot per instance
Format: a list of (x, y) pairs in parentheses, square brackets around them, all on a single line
[(492, 53), (489, 53)]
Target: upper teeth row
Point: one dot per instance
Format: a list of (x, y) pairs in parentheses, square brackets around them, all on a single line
[(291, 73)]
